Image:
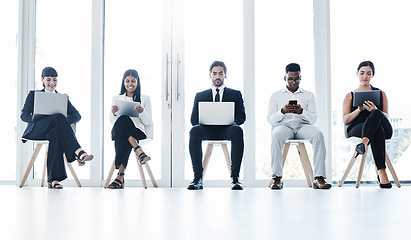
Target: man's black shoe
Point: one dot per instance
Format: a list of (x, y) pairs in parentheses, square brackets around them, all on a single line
[(235, 184), (277, 183), (196, 184)]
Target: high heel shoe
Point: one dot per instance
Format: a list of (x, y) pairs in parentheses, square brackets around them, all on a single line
[(142, 157), (117, 184), (385, 185), (81, 161), (360, 148)]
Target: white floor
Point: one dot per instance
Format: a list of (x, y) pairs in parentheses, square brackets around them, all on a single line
[(213, 213)]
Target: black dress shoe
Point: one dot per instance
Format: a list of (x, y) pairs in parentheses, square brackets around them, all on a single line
[(385, 185), (360, 148), (196, 184), (236, 185), (277, 183)]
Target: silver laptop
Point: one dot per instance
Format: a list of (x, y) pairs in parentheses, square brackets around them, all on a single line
[(126, 108), (216, 113), (361, 97), (46, 103)]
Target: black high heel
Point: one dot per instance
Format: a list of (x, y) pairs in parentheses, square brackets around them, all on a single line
[(360, 148), (117, 184), (142, 157), (81, 161), (385, 185)]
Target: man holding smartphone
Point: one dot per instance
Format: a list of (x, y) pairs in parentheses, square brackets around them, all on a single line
[(292, 113)]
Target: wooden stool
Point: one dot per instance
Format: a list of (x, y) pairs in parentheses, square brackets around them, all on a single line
[(140, 168), (357, 140), (39, 144), (209, 150), (305, 161)]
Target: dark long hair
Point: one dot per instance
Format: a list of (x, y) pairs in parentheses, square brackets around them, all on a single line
[(367, 64), (137, 92)]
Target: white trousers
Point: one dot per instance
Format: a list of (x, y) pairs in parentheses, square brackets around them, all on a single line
[(280, 134)]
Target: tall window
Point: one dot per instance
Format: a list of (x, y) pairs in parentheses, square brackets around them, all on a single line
[(133, 40), (63, 41), (283, 34), (213, 30), (378, 32), (8, 62)]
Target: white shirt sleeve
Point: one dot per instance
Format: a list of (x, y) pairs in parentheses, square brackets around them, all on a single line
[(310, 113), (274, 115), (145, 116)]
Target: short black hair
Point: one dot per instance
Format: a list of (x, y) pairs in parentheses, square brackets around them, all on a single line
[(292, 67), (218, 64), (367, 64), (49, 72)]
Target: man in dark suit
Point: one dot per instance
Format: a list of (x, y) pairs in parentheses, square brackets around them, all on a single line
[(217, 93)]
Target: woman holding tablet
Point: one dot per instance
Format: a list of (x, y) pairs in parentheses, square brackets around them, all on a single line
[(128, 130), (56, 129), (369, 121)]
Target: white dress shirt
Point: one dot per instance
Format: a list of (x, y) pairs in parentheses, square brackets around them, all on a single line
[(214, 89), (281, 98)]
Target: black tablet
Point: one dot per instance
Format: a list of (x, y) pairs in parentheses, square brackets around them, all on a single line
[(361, 97)]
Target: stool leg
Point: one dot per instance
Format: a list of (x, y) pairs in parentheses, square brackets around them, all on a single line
[(357, 185), (392, 171), (44, 167), (72, 171), (285, 152), (302, 151), (110, 174), (30, 166), (347, 171), (207, 156), (140, 168), (227, 157), (150, 174)]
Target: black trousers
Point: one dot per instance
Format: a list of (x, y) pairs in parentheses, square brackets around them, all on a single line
[(377, 128), (124, 128), (234, 133), (62, 140)]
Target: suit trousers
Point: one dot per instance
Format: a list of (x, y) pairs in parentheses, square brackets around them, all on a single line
[(234, 133), (281, 133), (377, 128), (62, 140), (124, 128)]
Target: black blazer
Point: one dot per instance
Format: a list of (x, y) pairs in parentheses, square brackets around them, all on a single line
[(229, 95), (73, 115)]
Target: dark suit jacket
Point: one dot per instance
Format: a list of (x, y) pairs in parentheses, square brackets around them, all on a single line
[(73, 115), (229, 95)]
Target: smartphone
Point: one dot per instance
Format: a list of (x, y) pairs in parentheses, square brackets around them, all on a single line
[(292, 102)]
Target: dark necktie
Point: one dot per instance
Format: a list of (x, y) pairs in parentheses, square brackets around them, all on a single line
[(217, 96)]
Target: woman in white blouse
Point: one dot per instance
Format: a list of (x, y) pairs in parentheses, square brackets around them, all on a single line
[(128, 131)]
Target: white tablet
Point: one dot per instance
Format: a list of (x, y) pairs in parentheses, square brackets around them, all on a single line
[(126, 108)]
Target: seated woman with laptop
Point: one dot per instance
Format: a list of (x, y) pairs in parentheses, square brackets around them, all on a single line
[(54, 127), (369, 121), (131, 123)]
